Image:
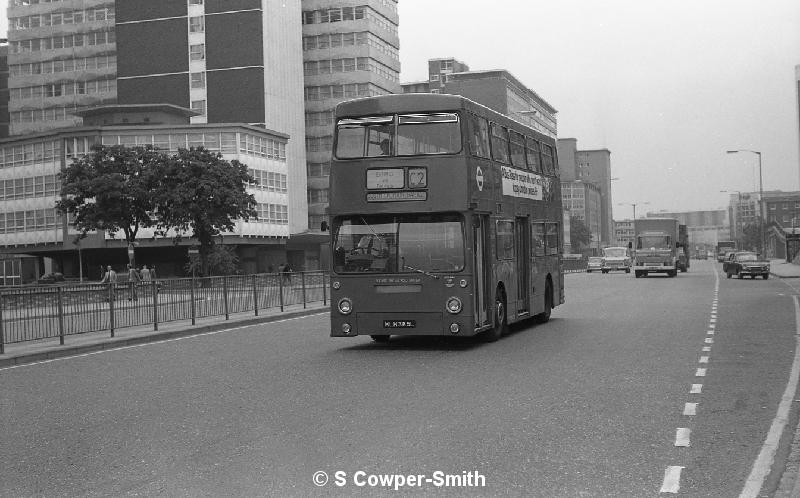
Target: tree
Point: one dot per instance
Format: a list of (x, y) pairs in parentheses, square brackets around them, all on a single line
[(111, 188), (751, 236), (201, 191), (579, 234)]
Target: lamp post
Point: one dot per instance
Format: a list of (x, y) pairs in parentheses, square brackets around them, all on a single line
[(762, 248), (634, 204), (737, 223)]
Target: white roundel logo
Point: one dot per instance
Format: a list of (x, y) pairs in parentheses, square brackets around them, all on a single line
[(479, 178)]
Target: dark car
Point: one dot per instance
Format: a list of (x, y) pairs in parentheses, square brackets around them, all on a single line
[(745, 263), (50, 278)]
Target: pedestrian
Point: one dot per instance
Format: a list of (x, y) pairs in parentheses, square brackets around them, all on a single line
[(287, 273), (153, 272), (133, 281), (102, 273), (110, 278), (145, 273)]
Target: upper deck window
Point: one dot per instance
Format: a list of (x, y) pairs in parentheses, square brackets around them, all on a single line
[(403, 135)]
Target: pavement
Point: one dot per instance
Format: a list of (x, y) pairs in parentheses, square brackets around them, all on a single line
[(49, 349), (780, 268)]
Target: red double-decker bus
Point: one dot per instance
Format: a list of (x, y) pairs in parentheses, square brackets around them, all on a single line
[(446, 219)]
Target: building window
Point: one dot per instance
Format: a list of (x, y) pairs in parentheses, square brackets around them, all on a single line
[(198, 80), (197, 52), (197, 24), (195, 2), (199, 106)]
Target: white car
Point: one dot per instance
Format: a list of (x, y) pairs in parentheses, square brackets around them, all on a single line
[(595, 263)]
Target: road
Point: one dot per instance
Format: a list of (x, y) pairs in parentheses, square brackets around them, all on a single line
[(587, 405)]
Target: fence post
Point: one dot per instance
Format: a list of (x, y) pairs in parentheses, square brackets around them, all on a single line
[(303, 281), (324, 291), (280, 288), (154, 290), (59, 292), (111, 306), (255, 296), (191, 296), (2, 330), (225, 295)]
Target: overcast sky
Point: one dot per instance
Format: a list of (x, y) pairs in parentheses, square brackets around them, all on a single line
[(666, 86)]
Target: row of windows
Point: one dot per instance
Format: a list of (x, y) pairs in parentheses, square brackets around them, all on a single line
[(340, 91), (323, 118), (34, 2), (334, 40), (316, 196), (63, 66), (312, 68), (784, 205), (544, 239), (270, 181), (59, 18), (319, 144), (490, 140), (32, 186), (318, 170), (277, 214), (27, 154), (66, 41), (29, 221), (334, 15), (63, 89), (55, 113), (262, 147)]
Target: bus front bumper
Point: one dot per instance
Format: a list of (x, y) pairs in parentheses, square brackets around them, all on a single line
[(401, 323)]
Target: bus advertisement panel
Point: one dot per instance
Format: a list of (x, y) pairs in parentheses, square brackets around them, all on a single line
[(446, 219)]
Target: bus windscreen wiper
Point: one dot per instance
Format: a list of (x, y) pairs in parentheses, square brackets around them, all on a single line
[(436, 277)]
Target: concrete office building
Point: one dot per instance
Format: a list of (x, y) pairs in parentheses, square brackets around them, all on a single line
[(590, 166), (624, 233), (582, 200), (29, 189), (5, 118), (61, 57), (350, 49)]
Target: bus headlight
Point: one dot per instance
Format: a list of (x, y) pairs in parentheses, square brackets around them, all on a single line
[(345, 306), (454, 305)]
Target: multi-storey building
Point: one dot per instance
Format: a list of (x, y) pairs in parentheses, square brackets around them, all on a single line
[(5, 119), (62, 57), (624, 233), (350, 49), (29, 188), (582, 200), (590, 166)]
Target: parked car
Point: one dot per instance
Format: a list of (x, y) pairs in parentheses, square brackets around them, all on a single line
[(745, 263), (595, 263), (50, 278)]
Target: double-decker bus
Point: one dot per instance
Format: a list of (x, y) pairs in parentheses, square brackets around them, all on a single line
[(445, 219)]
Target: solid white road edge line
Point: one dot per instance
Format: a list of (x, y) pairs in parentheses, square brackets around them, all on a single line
[(766, 456)]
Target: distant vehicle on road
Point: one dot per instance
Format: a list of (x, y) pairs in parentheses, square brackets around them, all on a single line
[(595, 263), (724, 246), (616, 258), (50, 278), (657, 245), (745, 263)]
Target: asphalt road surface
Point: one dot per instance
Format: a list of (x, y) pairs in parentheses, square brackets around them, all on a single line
[(591, 404)]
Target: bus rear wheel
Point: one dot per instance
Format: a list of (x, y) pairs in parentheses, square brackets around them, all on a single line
[(544, 316), (500, 326)]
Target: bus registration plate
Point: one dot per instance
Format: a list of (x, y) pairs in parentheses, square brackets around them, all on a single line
[(399, 324)]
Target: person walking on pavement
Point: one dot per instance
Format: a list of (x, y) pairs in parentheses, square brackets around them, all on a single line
[(133, 281), (146, 276), (110, 278)]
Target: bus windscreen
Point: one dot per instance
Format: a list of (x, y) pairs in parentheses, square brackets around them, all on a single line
[(413, 135), (399, 243)]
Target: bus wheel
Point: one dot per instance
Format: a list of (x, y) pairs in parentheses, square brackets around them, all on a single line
[(500, 319), (544, 316), (380, 338)]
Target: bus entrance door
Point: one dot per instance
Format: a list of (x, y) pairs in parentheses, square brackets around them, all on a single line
[(523, 261), (481, 268)]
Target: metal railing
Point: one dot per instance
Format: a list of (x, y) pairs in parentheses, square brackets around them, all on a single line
[(32, 313)]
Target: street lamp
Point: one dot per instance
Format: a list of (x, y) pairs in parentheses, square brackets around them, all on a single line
[(762, 248), (737, 224), (634, 204)]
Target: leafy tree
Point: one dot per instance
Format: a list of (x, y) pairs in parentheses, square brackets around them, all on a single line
[(751, 236), (221, 260), (579, 234), (112, 188), (201, 191)]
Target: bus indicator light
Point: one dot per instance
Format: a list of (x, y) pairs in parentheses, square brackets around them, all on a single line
[(454, 328), (336, 284), (345, 306), (463, 283), (454, 305), (346, 328)]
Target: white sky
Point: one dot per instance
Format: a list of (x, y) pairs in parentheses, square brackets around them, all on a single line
[(666, 86)]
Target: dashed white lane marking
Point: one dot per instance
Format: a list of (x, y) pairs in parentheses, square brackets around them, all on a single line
[(696, 389), (701, 372), (706, 349), (672, 479), (766, 456), (682, 436), (713, 320), (690, 409), (704, 359), (709, 340), (712, 325), (710, 332)]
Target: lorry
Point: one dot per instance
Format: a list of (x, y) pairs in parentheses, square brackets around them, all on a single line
[(683, 251), (724, 246), (657, 244)]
